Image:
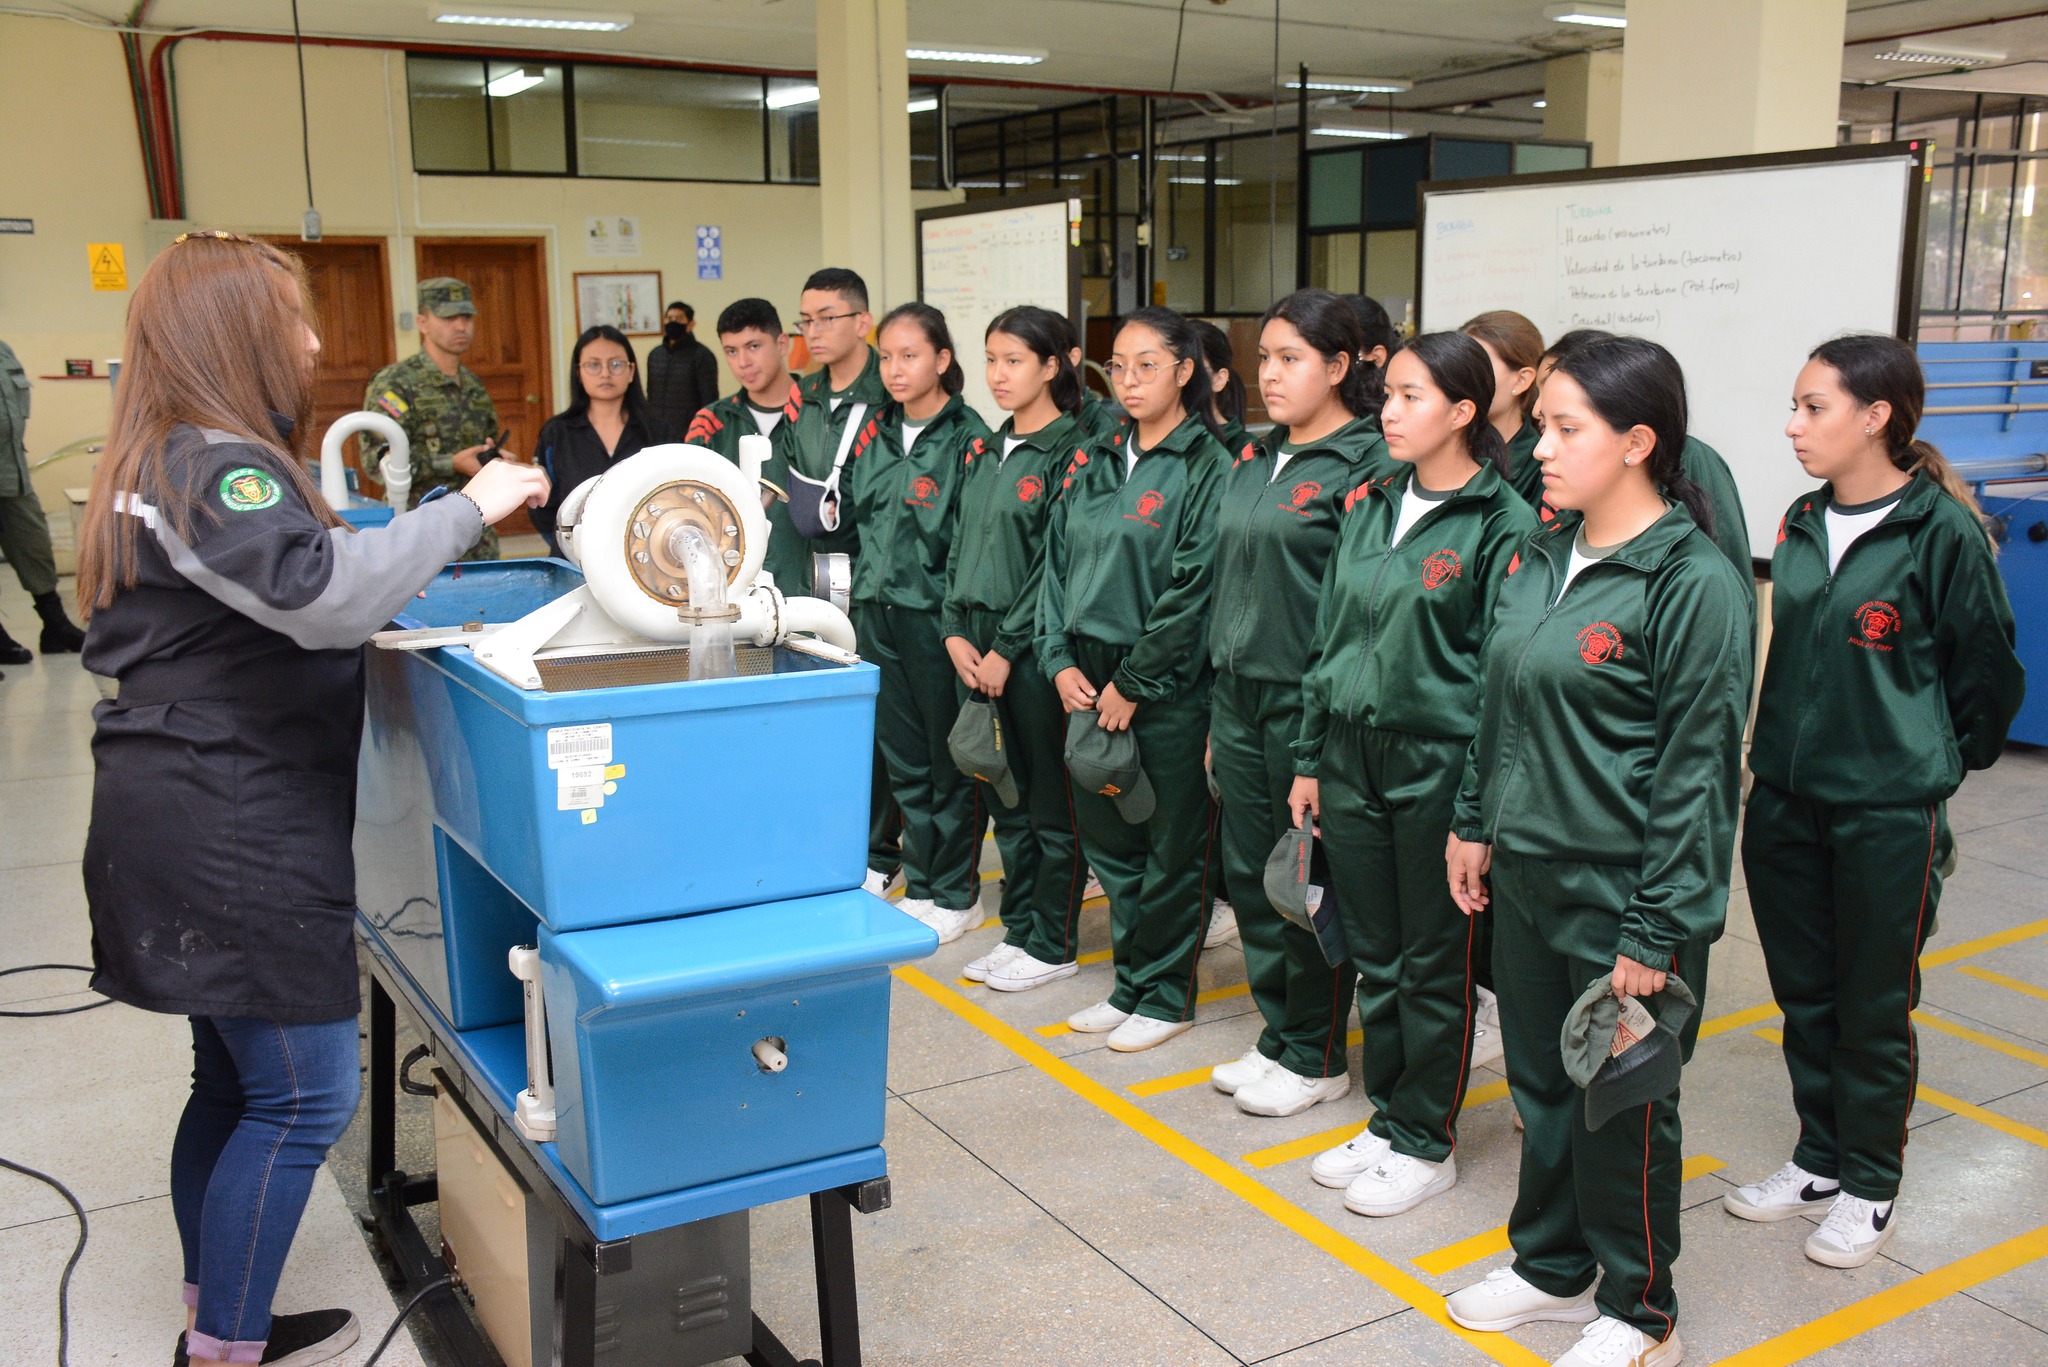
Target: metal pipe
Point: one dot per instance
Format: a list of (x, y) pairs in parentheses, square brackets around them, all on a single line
[(2001, 467), (1990, 408)]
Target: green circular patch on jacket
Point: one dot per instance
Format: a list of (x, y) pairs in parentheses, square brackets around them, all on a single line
[(247, 489)]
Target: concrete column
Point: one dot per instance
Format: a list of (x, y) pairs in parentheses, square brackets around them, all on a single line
[(864, 145), (1582, 95), (1729, 78)]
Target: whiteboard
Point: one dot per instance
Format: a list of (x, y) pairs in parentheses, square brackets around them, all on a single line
[(972, 266), (1739, 271)]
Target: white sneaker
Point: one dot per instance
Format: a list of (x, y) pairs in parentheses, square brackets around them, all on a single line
[(1853, 1232), (1504, 1301), (1489, 1005), (977, 970), (878, 882), (1021, 973), (1092, 889), (1398, 1184), (1097, 1019), (1789, 1191), (1284, 1092), (919, 908), (952, 924), (1140, 1033), (1240, 1072), (1222, 925), (1336, 1167), (1608, 1342), (1486, 1041)]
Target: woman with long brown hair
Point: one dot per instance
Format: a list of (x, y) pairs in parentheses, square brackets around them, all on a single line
[(232, 605)]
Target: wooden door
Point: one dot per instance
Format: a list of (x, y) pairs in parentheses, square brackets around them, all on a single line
[(350, 281), (507, 277)]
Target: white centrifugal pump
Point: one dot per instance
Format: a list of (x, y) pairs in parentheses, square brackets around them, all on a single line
[(395, 470), (670, 542)]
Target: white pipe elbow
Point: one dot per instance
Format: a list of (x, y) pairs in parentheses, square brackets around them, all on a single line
[(333, 474)]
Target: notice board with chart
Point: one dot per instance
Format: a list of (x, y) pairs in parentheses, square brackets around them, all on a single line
[(1740, 266), (976, 259)]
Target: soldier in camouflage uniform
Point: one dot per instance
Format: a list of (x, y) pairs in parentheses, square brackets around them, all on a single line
[(24, 531), (440, 403)]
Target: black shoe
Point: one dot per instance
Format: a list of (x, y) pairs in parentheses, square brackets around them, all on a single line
[(12, 652), (298, 1340), (60, 635)]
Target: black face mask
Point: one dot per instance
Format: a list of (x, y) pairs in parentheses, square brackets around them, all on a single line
[(673, 333)]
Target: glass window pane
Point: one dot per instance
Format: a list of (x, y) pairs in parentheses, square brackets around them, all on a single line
[(447, 102), (1177, 209), (1390, 270), (528, 131), (1254, 225), (1336, 185), (1937, 271), (2026, 268), (1462, 159), (792, 131), (1333, 260), (1391, 174), (1534, 158), (634, 123), (926, 139), (1984, 247)]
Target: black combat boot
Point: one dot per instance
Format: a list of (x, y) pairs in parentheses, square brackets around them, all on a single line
[(60, 635)]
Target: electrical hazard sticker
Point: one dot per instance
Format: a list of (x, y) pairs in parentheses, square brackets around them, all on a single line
[(587, 744), (578, 786)]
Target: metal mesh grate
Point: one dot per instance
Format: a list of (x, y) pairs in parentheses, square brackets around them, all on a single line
[(580, 673)]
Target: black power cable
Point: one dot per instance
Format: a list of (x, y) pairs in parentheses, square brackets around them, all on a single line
[(70, 1265), (61, 1011), (438, 1284)]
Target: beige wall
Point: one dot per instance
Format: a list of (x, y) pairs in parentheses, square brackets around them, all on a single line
[(1729, 78), (1582, 94), (75, 169)]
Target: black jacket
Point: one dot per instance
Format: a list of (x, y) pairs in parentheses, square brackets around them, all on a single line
[(680, 382), (218, 866), (570, 451)]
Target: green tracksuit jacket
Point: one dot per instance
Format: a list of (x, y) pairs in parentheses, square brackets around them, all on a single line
[(999, 544), (904, 506), (1097, 416), (1895, 675), (1524, 474), (813, 443), (720, 425), (1399, 628), (1610, 725)]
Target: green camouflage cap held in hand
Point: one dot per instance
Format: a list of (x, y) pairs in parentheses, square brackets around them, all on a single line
[(1106, 762), (1646, 1067), (977, 747), (446, 297)]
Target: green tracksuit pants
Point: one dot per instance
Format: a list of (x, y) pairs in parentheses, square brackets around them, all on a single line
[(1305, 1002), (25, 540), (914, 712), (1844, 899), (1043, 873), (1160, 874), (1589, 1201), (1386, 800)]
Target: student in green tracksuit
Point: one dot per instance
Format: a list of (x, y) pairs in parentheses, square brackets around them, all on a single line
[(1226, 414), (1392, 704), (1516, 349), (1601, 791), (902, 484), (1123, 609), (1891, 675), (990, 617), (1277, 522), (768, 400)]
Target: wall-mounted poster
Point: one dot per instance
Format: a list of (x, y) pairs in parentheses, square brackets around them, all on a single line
[(627, 300)]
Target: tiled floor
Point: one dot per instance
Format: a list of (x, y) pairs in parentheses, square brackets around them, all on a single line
[(1056, 1203)]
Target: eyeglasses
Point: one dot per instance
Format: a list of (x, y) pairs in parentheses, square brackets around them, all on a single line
[(1147, 371), (813, 324), (612, 367)]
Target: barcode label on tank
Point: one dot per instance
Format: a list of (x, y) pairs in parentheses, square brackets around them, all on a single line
[(591, 744), (578, 786)]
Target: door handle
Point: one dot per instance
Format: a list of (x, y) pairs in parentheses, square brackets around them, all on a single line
[(533, 398)]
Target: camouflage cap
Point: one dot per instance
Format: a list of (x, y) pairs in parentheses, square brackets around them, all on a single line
[(446, 297)]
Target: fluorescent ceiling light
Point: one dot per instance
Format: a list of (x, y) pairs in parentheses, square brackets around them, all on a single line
[(1592, 16), (1378, 134), (1940, 54), (790, 96), (1197, 180), (515, 16), (985, 56), (514, 81), (1364, 85), (923, 105)]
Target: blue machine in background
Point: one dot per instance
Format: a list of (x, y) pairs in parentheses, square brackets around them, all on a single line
[(685, 860), (1987, 409)]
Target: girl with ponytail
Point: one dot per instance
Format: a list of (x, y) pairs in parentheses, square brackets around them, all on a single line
[(1600, 793), (998, 557), (1123, 604), (1226, 407), (1282, 502), (1515, 348), (903, 482), (1391, 700), (1891, 675)]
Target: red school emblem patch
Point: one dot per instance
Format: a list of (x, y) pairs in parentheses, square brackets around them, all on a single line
[(1304, 494), (1441, 568), (923, 490), (1149, 504), (1029, 488), (1599, 643), (1876, 620)]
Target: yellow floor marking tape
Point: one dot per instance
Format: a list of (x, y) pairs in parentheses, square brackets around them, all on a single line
[(1173, 1082), (1979, 946), (1875, 1311), (1771, 1033), (1979, 1037), (1735, 1020), (1313, 1144), (2000, 980), (1984, 1117), (1467, 1251), (1367, 1264)]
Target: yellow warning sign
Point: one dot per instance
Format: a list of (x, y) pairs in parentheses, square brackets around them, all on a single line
[(109, 264)]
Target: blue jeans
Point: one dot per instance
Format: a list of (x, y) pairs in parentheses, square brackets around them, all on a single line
[(267, 1102)]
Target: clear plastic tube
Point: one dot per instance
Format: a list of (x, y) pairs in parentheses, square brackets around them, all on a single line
[(711, 652)]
